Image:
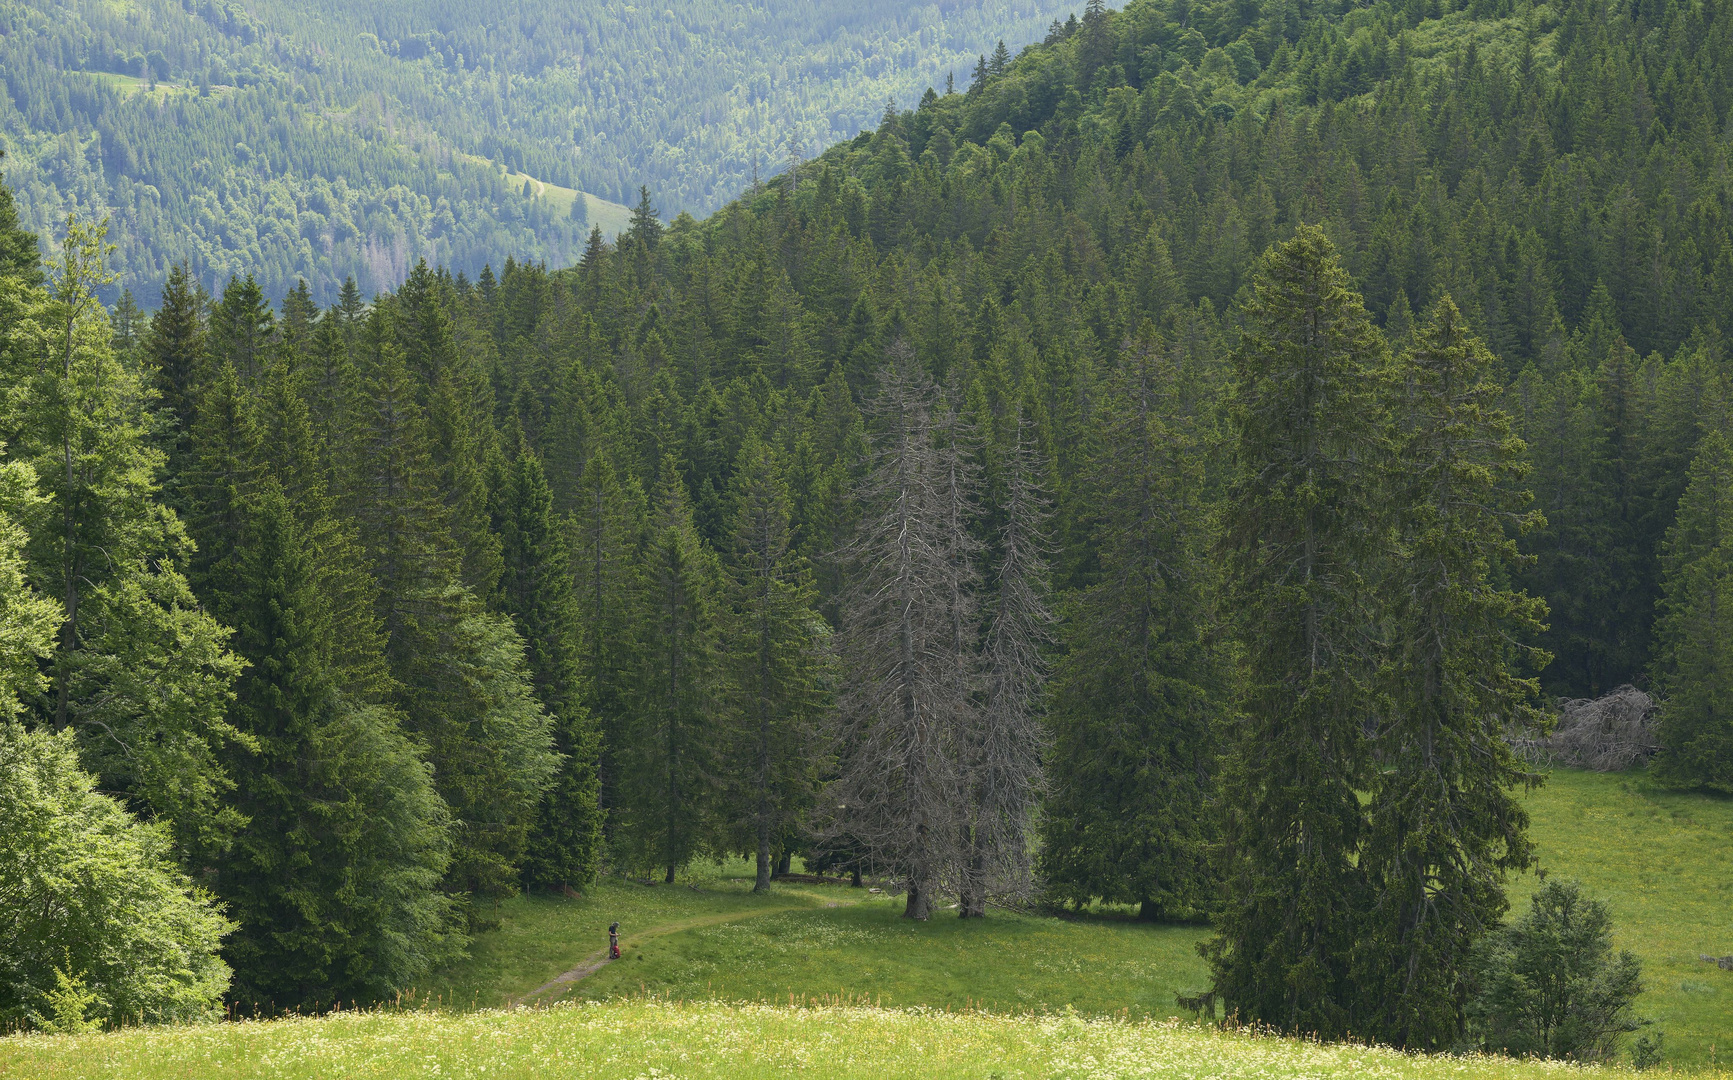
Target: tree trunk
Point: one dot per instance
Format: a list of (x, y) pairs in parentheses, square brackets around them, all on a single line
[(784, 862), (762, 884), (668, 879), (973, 903), (854, 878), (918, 906)]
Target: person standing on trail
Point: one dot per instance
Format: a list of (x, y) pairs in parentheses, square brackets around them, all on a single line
[(613, 941)]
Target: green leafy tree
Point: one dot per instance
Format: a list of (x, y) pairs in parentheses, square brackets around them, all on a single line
[(1551, 985), (139, 671), (97, 923), (1303, 531)]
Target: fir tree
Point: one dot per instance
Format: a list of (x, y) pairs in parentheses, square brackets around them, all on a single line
[(175, 347), (1694, 644), (242, 328), (777, 658), (538, 592), (332, 878), (1303, 530), (223, 452), (668, 759), (1443, 827), (463, 682), (1137, 694), (604, 529)]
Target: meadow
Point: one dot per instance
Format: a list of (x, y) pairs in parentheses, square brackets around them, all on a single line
[(1662, 861), (709, 972), (645, 1038)]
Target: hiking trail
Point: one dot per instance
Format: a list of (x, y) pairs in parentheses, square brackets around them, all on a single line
[(599, 959)]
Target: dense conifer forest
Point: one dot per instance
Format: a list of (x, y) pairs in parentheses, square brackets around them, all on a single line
[(1171, 468), (312, 140)]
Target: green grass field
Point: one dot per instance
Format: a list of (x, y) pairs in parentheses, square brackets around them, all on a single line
[(133, 85), (613, 218), (643, 1039), (698, 954), (1663, 862)]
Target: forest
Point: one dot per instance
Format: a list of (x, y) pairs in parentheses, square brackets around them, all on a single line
[(303, 140), (1172, 467)]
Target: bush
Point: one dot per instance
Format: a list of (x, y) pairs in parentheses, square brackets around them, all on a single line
[(96, 922), (1551, 986)]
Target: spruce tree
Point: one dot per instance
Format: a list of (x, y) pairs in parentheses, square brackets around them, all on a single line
[(222, 467), (462, 679), (1138, 693), (1303, 531), (777, 657), (1693, 665), (1002, 747), (668, 758), (1443, 827), (457, 399), (604, 528), (907, 642), (175, 348), (243, 328), (334, 877), (537, 589)]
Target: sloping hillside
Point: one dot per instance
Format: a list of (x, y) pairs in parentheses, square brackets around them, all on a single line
[(300, 139)]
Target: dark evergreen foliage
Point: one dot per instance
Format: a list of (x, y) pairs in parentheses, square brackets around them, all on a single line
[(1290, 568)]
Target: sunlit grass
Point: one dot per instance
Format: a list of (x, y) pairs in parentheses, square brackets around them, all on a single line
[(612, 217), (705, 949), (660, 1039), (1663, 863)]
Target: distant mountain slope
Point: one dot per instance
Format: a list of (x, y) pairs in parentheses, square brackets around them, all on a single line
[(315, 139)]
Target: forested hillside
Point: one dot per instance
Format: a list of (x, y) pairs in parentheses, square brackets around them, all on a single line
[(1221, 428), (297, 139)]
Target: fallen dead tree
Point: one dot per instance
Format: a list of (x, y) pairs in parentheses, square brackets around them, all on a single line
[(1610, 733)]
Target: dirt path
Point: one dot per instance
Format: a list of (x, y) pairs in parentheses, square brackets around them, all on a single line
[(599, 959)]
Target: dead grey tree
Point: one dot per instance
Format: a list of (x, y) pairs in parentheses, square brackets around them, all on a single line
[(1610, 733), (907, 640), (1005, 745)]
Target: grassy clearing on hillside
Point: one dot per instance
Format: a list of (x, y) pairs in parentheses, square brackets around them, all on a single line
[(1663, 862), (611, 216), (541, 936), (133, 85), (1006, 962), (660, 1039)]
